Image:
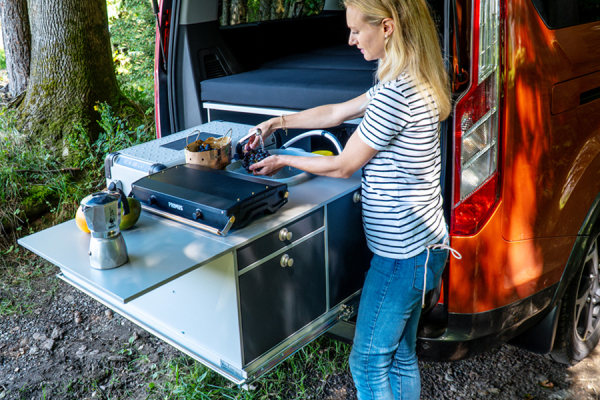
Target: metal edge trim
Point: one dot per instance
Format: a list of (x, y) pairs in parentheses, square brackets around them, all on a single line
[(156, 333), (239, 305), (326, 226)]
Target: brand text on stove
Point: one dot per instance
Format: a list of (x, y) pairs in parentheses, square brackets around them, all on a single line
[(176, 206)]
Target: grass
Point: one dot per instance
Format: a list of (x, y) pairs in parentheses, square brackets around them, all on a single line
[(305, 375), (2, 59)]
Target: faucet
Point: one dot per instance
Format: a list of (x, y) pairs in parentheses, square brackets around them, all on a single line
[(317, 132), (239, 147)]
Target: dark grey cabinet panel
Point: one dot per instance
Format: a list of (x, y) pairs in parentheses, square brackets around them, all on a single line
[(277, 301), (349, 256), (271, 242)]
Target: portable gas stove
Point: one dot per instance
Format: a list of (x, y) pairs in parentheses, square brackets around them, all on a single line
[(209, 199)]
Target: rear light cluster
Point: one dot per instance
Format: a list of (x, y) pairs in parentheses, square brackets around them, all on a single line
[(476, 138)]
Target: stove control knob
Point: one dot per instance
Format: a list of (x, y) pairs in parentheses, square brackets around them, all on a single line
[(286, 261), (197, 214), (152, 200), (284, 235)]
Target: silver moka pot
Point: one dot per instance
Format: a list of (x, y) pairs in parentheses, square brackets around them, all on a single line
[(102, 213)]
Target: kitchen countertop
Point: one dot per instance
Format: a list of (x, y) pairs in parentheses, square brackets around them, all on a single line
[(161, 250)]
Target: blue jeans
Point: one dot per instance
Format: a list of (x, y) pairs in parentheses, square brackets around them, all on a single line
[(383, 360)]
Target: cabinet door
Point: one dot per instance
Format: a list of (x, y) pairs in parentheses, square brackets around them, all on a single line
[(349, 256), (277, 301)]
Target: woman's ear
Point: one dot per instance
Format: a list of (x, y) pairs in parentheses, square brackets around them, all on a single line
[(388, 26)]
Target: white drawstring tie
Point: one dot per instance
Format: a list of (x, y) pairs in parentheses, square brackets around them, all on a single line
[(437, 246)]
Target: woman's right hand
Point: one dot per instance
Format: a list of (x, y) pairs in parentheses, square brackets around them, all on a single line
[(266, 129)]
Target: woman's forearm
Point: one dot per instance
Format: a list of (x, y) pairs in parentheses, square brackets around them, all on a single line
[(319, 117)]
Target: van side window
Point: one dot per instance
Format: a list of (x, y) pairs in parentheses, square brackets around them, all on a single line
[(234, 12), (561, 14)]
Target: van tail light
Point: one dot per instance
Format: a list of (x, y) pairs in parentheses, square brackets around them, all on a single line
[(476, 186)]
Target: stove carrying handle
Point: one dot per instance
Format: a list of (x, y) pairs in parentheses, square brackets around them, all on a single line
[(264, 207), (193, 224)]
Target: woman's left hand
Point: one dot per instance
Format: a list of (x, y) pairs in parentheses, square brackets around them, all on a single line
[(269, 166)]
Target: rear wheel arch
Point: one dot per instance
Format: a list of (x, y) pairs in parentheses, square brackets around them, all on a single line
[(589, 228), (578, 329)]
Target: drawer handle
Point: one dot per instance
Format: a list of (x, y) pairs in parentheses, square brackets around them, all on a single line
[(286, 261), (356, 197), (284, 235)]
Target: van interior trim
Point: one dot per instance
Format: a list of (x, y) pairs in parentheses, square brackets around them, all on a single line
[(276, 112)]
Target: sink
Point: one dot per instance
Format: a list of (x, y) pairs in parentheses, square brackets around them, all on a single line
[(288, 175)]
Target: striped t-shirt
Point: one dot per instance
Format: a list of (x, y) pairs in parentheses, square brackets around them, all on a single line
[(401, 194)]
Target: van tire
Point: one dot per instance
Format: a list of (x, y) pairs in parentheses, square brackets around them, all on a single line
[(578, 330)]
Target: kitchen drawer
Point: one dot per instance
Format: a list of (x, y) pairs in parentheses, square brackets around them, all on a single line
[(271, 242), (277, 301)]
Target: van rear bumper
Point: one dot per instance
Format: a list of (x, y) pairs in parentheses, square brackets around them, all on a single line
[(468, 335)]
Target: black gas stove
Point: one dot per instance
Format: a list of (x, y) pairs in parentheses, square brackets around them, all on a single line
[(209, 199)]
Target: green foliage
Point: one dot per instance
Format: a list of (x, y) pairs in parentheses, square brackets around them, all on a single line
[(2, 59), (36, 177), (132, 29), (117, 134), (261, 10)]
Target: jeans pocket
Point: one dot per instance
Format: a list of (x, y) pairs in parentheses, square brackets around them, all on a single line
[(435, 268)]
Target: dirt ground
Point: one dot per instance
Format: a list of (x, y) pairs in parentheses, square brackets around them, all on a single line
[(64, 345)]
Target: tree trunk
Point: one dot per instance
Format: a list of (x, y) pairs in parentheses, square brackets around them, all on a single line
[(278, 9), (238, 12), (286, 9), (264, 13), (17, 43), (225, 16), (297, 9), (71, 67)]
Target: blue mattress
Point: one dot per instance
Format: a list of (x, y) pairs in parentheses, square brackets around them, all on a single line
[(297, 82)]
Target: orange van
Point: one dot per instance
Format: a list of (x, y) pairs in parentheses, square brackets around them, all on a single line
[(521, 161)]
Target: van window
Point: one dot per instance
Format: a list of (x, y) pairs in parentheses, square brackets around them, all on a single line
[(564, 13), (234, 12)]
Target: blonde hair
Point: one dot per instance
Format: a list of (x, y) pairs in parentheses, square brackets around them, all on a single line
[(412, 47)]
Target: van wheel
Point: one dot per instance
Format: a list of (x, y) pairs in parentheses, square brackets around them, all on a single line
[(578, 329)]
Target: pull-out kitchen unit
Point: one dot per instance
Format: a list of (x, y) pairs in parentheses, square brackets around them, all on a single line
[(242, 302)]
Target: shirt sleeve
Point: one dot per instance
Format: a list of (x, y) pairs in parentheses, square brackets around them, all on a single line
[(372, 90), (387, 115)]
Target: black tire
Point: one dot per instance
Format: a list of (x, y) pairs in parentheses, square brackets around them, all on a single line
[(578, 330)]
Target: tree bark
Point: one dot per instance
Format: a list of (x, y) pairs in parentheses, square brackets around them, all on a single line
[(17, 43), (238, 12), (71, 67), (265, 10), (225, 16)]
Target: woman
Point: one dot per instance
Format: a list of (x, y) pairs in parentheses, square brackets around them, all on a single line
[(397, 144)]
